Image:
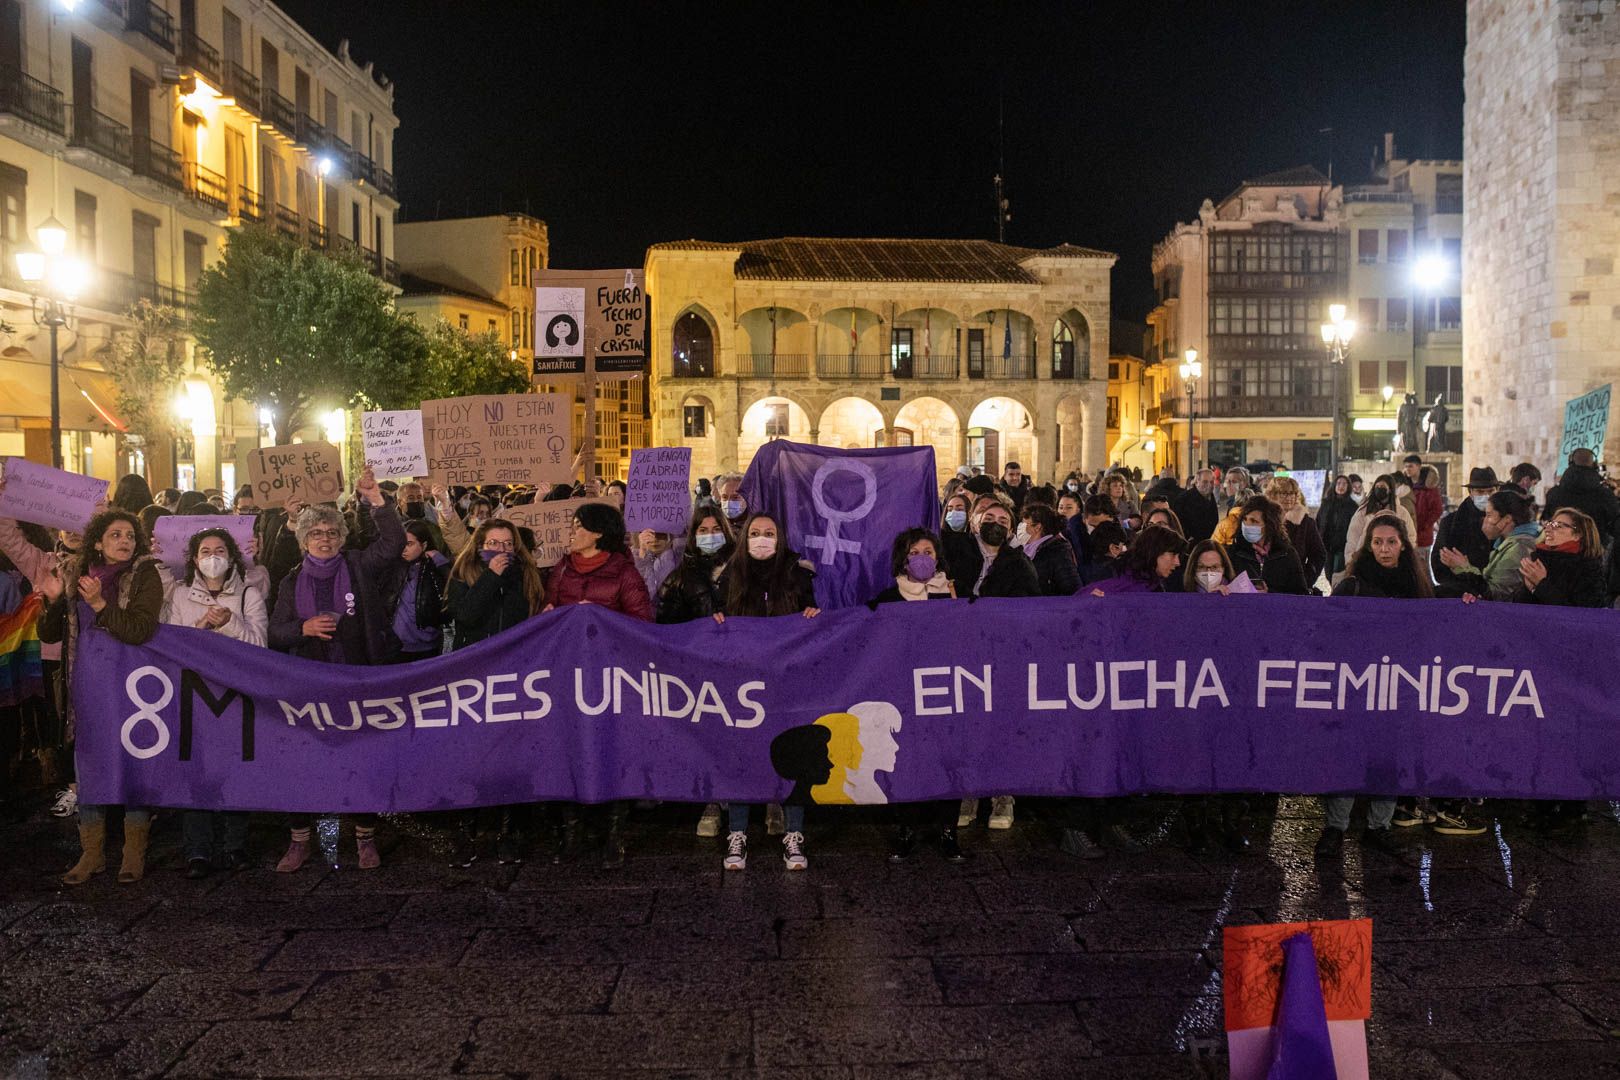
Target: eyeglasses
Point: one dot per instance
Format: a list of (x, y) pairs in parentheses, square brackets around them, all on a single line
[(1556, 524), (324, 534), (498, 545)]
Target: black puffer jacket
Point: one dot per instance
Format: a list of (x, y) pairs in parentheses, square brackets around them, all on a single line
[(1055, 567), (1581, 488), (1572, 581), (691, 591), (492, 603)]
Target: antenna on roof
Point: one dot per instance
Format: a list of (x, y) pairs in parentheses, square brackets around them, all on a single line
[(1002, 216), (1329, 133)]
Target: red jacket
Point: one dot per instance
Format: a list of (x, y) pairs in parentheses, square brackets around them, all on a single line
[(616, 585), (1429, 506)]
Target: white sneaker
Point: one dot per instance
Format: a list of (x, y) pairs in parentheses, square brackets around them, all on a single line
[(709, 823), (736, 851), (793, 851), (1001, 812), (968, 813), (775, 824), (66, 804)]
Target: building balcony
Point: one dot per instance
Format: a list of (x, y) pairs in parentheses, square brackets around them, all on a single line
[(242, 85), (156, 161), (367, 172), (1256, 407), (101, 134), (1378, 197), (315, 235), (152, 22), (1001, 367), (277, 112), (206, 186), (200, 56), (249, 207), (309, 132), (1245, 281), (289, 222), (853, 365), (26, 98), (774, 365)]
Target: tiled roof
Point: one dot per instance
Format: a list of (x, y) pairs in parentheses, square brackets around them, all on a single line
[(1298, 176), (830, 259)]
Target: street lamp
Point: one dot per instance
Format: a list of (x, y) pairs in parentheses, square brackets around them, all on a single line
[(1192, 369), (54, 282), (1336, 336)]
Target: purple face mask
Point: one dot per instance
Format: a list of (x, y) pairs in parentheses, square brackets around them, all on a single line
[(921, 567), (488, 555)]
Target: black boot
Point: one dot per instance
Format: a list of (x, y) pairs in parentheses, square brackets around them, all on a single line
[(566, 847), (613, 839), (1329, 843), (949, 847), (901, 841), (1075, 842)]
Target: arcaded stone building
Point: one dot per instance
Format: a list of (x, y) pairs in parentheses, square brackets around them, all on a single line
[(986, 351), (1541, 302)]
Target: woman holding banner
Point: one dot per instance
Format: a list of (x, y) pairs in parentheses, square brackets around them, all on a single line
[(215, 593), (766, 577), (330, 608), (118, 578)]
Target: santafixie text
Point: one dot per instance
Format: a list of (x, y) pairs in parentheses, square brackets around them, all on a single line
[(1128, 685)]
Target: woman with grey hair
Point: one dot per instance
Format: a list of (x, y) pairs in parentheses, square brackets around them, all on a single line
[(330, 608)]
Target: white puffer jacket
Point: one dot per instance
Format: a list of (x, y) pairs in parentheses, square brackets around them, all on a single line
[(186, 605)]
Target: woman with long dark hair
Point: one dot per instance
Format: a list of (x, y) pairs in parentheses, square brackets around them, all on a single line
[(1261, 550), (116, 575), (1148, 565), (131, 493), (414, 591), (766, 577), (1333, 522), (692, 589)]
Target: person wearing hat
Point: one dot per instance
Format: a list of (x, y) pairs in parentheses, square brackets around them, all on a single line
[(1581, 488), (1464, 530)]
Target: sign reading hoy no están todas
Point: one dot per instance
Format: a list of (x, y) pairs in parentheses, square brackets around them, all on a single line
[(590, 321)]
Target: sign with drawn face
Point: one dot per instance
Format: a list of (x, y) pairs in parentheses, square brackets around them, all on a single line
[(559, 331)]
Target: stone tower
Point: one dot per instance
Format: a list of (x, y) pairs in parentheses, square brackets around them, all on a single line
[(1541, 302)]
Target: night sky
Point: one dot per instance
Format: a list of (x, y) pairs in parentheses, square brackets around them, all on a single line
[(626, 124)]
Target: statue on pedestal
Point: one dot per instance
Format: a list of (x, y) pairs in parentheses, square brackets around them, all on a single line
[(1435, 421), (1407, 440)]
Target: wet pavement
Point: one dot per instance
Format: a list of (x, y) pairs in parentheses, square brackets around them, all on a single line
[(1494, 957)]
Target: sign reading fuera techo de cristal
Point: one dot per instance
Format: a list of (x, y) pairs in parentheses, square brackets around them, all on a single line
[(589, 317)]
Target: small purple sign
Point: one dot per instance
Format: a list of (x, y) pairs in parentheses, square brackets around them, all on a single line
[(50, 497), (658, 494)]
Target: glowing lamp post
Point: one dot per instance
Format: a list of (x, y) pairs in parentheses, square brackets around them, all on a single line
[(54, 282)]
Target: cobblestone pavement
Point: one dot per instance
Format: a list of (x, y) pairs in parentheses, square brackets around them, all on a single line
[(1494, 957)]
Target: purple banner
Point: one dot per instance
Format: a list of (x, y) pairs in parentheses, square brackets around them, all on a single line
[(828, 501), (1051, 696)]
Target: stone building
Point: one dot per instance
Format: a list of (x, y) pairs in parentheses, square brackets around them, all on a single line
[(985, 351), (1541, 299), (480, 273), (146, 128)]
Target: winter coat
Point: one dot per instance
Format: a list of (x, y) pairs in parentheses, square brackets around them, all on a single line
[(1581, 488), (368, 568), (1501, 578), (244, 599), (36, 565), (1016, 493), (1074, 531), (1358, 529), (1368, 586), (616, 585), (1011, 574), (1462, 529), (1306, 540), (691, 591), (1280, 570), (1055, 567), (803, 587), (429, 613), (1199, 514), (655, 568), (1430, 507), (492, 603), (1333, 523), (1572, 581), (133, 618)]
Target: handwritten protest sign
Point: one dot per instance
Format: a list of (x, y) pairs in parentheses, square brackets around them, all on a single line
[(1256, 994), (559, 333), (1311, 482), (552, 523), (594, 317), (393, 442), (173, 534), (313, 471), (658, 495), (1586, 424), (51, 497), (500, 439)]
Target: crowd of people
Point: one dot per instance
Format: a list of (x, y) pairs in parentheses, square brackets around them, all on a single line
[(396, 573)]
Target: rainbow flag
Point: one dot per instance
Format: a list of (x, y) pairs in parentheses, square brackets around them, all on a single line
[(21, 676)]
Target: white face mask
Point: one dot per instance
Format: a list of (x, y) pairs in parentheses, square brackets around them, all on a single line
[(1021, 537), (1210, 580), (1481, 501), (761, 547), (1356, 497), (213, 566)]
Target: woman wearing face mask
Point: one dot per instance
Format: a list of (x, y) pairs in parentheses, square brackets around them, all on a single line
[(218, 594), (1047, 548), (116, 576), (1261, 550), (1386, 566), (1333, 523), (330, 608), (691, 591), (766, 577), (954, 519), (1303, 535), (1510, 526), (990, 565), (1208, 569), (1381, 499)]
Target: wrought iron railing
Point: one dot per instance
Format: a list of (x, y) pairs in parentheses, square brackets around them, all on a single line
[(242, 85), (200, 56), (205, 185), (37, 102), (852, 365), (249, 206), (773, 365), (289, 221), (156, 161), (278, 111), (145, 17), (102, 134)]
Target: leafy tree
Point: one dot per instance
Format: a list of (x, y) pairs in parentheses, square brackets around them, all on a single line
[(296, 330), (459, 363), (146, 363)]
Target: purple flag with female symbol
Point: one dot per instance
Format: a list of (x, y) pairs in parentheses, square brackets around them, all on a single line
[(842, 509)]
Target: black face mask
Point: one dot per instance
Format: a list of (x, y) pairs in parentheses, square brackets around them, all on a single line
[(993, 533), (416, 510)]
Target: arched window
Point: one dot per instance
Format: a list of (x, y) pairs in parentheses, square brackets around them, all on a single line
[(1062, 351), (694, 347)]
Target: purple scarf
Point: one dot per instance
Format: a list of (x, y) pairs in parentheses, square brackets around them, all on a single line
[(335, 570), (109, 575)]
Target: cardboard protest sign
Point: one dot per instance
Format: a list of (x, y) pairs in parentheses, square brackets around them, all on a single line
[(312, 470), (500, 439), (50, 497), (394, 446), (1259, 993), (1586, 424), (173, 533), (658, 494), (551, 521), (1311, 483), (605, 309)]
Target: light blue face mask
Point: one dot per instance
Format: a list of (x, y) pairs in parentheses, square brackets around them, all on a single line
[(709, 543), (956, 518), (1481, 502), (1253, 533)]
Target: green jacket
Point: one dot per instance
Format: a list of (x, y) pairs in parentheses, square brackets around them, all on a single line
[(1501, 576)]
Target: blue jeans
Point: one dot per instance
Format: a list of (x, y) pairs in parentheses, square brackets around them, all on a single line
[(1379, 811), (198, 828), (94, 815), (737, 815)]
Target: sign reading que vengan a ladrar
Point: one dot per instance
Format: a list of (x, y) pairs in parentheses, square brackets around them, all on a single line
[(589, 321)]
